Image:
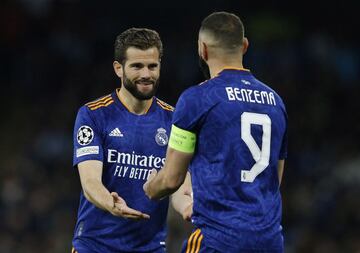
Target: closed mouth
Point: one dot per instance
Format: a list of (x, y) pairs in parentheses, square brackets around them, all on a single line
[(145, 82)]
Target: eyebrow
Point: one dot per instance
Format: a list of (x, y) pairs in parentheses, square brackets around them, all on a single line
[(136, 64), (140, 64)]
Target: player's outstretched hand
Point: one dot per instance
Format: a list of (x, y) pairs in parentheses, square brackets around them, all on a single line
[(149, 179), (121, 209)]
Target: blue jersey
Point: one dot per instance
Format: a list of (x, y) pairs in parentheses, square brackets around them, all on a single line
[(129, 146), (240, 125)]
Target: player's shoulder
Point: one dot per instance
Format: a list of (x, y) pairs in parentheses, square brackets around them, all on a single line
[(100, 103), (197, 92), (164, 106)]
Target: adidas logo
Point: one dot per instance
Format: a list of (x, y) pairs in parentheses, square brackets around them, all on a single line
[(116, 132)]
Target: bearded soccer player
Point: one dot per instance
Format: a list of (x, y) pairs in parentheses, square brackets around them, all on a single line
[(118, 139), (231, 129)]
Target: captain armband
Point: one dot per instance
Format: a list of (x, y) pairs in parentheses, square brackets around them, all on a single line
[(182, 140)]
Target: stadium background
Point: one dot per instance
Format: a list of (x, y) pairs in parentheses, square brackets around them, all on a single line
[(57, 54)]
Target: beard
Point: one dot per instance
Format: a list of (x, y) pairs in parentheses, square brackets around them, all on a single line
[(204, 68), (131, 86)]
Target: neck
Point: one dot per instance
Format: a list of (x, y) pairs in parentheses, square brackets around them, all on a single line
[(215, 66), (133, 104)]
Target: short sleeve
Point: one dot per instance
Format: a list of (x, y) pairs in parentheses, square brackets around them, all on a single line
[(188, 110), (87, 138)]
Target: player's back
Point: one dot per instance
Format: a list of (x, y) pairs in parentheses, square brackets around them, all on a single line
[(241, 126)]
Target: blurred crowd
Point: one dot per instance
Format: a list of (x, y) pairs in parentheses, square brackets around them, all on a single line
[(56, 55)]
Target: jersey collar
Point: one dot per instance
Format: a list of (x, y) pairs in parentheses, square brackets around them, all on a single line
[(234, 68), (122, 105)]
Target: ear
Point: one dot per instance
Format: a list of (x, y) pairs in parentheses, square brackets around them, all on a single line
[(118, 68), (203, 51), (245, 45)]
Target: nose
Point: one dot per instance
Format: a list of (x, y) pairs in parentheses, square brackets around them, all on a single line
[(145, 72)]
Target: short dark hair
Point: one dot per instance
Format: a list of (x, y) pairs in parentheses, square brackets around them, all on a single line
[(141, 38), (226, 28)]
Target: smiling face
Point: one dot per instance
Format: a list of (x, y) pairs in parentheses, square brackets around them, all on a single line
[(140, 72)]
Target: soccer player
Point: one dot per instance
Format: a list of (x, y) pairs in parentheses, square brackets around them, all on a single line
[(231, 129), (118, 139)]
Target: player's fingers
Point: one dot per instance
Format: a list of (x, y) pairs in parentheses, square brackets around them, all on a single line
[(129, 212), (145, 186), (187, 218), (138, 215), (145, 216), (135, 217), (188, 212), (116, 197), (153, 173), (188, 192)]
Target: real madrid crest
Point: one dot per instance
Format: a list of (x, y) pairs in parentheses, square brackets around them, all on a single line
[(161, 137)]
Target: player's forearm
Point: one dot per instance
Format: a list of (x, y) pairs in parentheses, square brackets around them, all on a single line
[(169, 178), (98, 195), (161, 186)]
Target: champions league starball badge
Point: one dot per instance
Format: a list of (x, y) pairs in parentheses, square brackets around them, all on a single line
[(161, 137), (85, 135)]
